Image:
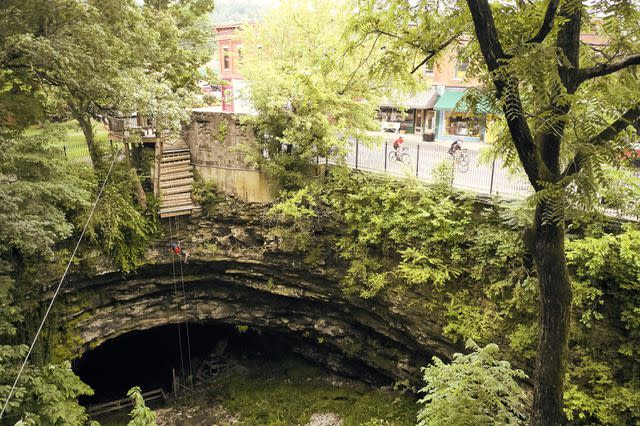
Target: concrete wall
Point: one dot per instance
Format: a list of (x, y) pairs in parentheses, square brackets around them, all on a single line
[(215, 139)]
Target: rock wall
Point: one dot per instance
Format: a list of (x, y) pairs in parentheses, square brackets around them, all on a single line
[(238, 274), (215, 139)]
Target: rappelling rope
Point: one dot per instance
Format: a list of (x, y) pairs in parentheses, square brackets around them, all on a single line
[(55, 294), (175, 294), (184, 299)]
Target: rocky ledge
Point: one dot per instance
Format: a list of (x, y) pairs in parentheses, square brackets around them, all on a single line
[(238, 274)]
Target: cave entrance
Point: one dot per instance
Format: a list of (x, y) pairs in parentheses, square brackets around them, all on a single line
[(147, 358)]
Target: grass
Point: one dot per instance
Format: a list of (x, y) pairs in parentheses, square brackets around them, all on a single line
[(289, 392), (74, 143)]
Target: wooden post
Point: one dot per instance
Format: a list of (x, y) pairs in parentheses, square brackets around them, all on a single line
[(174, 385), (158, 163)]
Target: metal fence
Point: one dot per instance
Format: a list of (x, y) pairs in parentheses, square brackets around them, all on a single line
[(76, 152), (425, 158)]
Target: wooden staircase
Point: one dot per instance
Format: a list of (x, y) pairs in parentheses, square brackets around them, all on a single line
[(176, 182)]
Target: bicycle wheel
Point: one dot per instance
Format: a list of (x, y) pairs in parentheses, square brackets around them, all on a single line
[(392, 156), (405, 158), (463, 163)]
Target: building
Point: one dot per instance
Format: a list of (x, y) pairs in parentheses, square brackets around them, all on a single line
[(229, 45), (437, 113)]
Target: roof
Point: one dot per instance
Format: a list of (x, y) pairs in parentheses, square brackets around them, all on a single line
[(425, 99), (450, 100)]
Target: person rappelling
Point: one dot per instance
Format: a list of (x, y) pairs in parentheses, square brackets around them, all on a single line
[(177, 249)]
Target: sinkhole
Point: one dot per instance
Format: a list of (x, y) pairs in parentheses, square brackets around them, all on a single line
[(150, 358)]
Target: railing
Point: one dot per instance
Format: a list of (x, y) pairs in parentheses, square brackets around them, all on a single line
[(121, 404), (122, 128), (76, 152), (425, 158)]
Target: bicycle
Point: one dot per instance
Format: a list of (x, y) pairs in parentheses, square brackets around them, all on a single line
[(400, 155), (460, 160)]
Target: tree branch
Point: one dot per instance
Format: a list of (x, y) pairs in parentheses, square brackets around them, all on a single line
[(547, 23), (435, 51), (506, 88), (608, 68), (608, 133)]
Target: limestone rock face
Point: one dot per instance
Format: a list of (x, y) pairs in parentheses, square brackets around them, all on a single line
[(238, 274)]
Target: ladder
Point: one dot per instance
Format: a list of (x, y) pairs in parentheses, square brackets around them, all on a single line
[(176, 183)]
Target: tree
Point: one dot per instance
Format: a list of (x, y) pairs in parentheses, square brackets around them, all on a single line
[(311, 93), (566, 108), (106, 57), (39, 193), (45, 395), (477, 388)]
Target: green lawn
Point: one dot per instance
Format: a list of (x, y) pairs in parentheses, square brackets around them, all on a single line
[(74, 144)]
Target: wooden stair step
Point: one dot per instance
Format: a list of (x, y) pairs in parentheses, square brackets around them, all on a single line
[(171, 168), (173, 158), (168, 162), (177, 175), (178, 211), (176, 204), (176, 182), (176, 150), (176, 196), (186, 189), (176, 201)]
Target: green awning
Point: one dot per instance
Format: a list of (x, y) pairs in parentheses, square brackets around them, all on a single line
[(450, 100)]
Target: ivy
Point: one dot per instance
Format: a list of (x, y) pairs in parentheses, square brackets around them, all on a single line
[(469, 268)]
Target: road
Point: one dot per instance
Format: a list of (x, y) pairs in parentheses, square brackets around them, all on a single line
[(491, 178)]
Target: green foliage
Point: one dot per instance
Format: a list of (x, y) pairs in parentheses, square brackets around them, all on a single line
[(474, 389), (140, 414), (608, 267), (118, 227), (102, 58), (310, 91), (280, 398), (45, 395), (387, 234), (206, 194), (394, 229), (40, 193)]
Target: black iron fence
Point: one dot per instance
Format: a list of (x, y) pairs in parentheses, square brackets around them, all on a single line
[(425, 159), (76, 152)]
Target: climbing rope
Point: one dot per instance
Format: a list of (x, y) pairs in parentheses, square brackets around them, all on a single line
[(184, 301), (55, 294), (175, 294)]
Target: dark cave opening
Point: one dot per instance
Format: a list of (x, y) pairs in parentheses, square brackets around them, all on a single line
[(147, 358)]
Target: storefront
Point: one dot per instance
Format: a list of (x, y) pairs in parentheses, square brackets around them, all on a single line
[(454, 122), (417, 116), (394, 120)]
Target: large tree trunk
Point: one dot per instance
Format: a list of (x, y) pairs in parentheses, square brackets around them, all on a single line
[(142, 197), (555, 313), (85, 124)]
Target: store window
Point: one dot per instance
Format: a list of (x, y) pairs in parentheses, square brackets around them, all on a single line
[(460, 70), (393, 120), (462, 124), (225, 58)]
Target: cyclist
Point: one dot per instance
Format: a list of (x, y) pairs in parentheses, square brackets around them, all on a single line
[(455, 147), (398, 142)]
